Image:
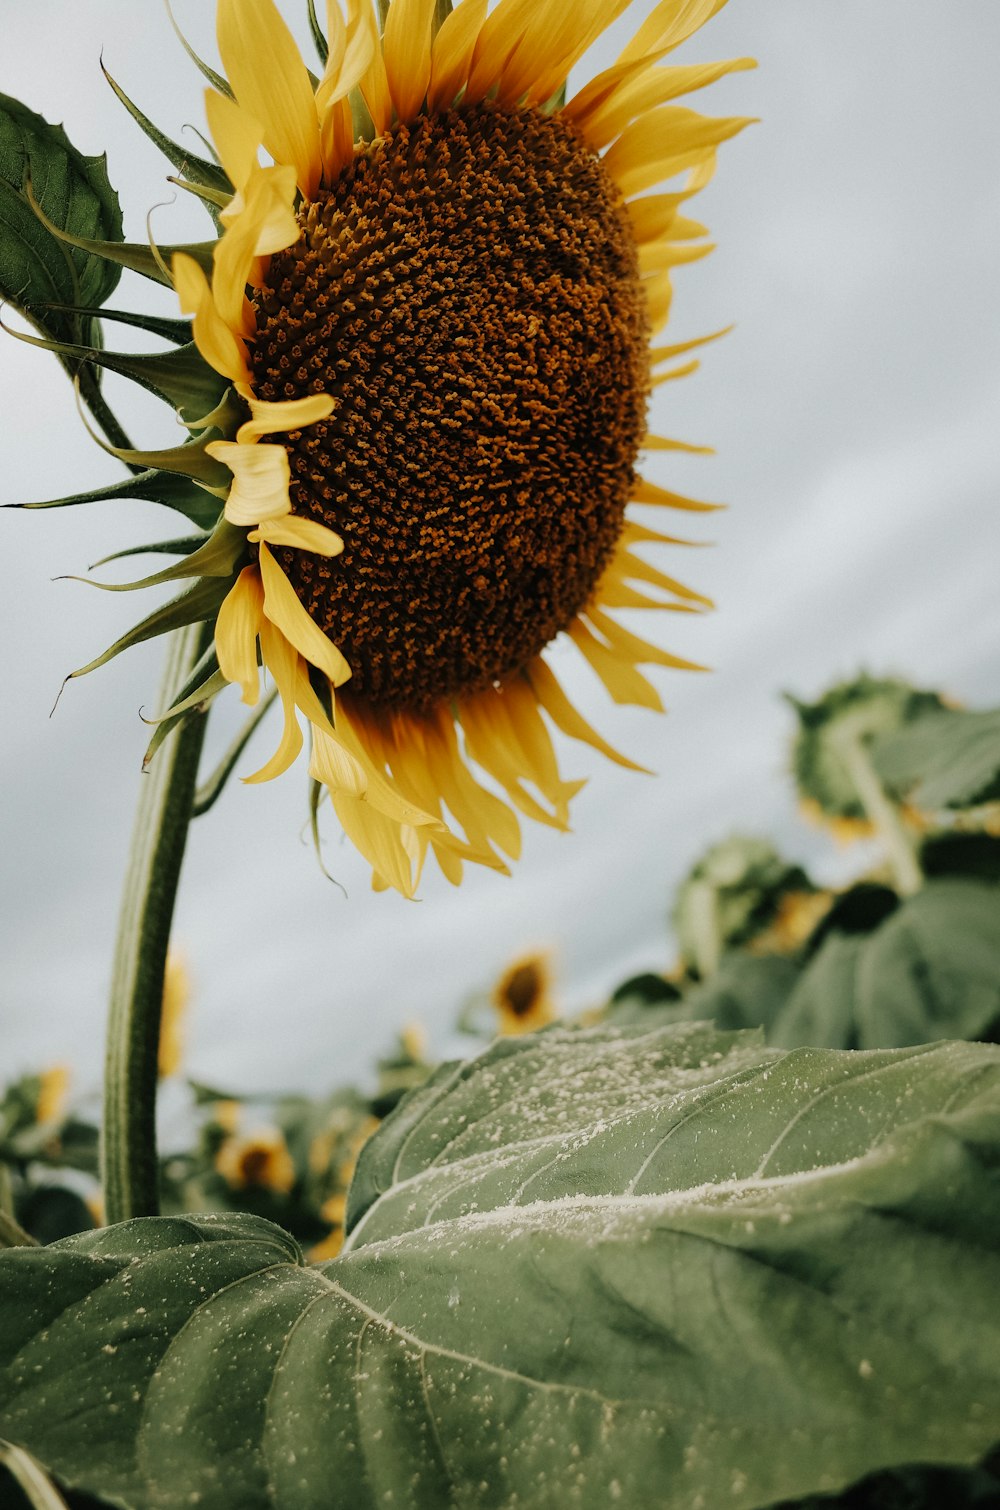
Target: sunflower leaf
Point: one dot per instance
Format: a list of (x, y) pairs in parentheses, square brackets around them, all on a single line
[(154, 485), (38, 270), (927, 969), (593, 1267), (947, 759)]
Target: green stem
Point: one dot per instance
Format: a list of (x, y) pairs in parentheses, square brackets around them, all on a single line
[(129, 1161), (883, 813)]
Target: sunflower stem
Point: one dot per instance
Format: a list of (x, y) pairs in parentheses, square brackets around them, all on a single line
[(129, 1161), (882, 812)]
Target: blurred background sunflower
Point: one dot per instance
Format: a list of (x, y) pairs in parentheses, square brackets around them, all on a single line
[(851, 410)]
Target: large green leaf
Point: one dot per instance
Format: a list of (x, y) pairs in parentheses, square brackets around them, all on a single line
[(668, 1268), (930, 970), (946, 759), (37, 270)]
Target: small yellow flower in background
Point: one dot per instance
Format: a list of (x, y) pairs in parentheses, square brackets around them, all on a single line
[(173, 1014), (226, 1115), (438, 341), (413, 1041), (522, 995), (53, 1092), (257, 1160)]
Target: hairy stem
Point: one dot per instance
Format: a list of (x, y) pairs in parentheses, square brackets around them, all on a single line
[(129, 1160)]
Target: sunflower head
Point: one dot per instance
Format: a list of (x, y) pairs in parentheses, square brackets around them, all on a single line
[(522, 996), (259, 1160), (422, 342)]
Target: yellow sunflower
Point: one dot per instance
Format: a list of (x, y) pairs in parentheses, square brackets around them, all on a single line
[(522, 996), (434, 294)]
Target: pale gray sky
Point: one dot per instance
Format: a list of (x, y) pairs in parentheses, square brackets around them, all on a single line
[(854, 412)]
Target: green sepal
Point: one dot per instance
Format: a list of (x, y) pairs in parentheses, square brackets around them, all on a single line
[(196, 704), (131, 254), (195, 168), (215, 79), (178, 332), (171, 489), (217, 557), (181, 377), (227, 416), (182, 546), (197, 605), (213, 199), (321, 44), (193, 696), (189, 460)]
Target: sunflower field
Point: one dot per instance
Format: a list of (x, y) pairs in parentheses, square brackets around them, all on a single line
[(725, 1235)]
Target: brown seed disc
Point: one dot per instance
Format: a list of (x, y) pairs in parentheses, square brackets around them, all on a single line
[(468, 292)]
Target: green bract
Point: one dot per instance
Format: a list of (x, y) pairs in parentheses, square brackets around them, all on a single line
[(668, 1267)]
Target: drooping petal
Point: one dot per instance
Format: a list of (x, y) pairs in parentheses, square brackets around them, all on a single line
[(621, 678), (261, 475), (282, 661), (271, 81), (283, 609), (665, 142), (379, 839), (648, 492), (633, 646), (551, 697), (213, 337), (236, 631), (650, 88), (265, 224)]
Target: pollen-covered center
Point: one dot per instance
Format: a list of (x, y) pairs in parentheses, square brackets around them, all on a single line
[(468, 292)]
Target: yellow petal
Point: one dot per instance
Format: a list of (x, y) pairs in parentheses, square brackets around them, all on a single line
[(285, 611), (237, 136), (266, 223), (557, 705), (634, 567), (352, 50), (270, 80), (261, 475), (499, 37), (406, 48), (664, 443), (236, 631), (648, 492), (301, 534), (664, 142), (653, 87), (213, 337), (375, 90), (667, 353), (287, 414), (451, 55), (620, 677), (379, 839), (634, 647), (671, 23), (281, 660)]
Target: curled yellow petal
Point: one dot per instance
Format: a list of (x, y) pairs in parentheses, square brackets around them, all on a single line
[(288, 414), (261, 475), (236, 631), (300, 534), (284, 610)]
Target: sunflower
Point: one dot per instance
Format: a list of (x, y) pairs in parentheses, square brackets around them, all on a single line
[(522, 997), (433, 299)]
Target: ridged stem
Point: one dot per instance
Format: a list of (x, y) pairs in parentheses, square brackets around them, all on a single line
[(129, 1161)]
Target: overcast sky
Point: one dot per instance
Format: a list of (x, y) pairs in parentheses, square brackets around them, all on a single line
[(854, 411)]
